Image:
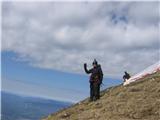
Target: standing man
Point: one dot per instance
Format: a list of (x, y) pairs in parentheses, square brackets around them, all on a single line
[(95, 80)]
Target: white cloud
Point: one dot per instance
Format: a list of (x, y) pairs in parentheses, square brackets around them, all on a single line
[(62, 36)]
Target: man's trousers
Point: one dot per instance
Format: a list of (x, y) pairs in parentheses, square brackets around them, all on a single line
[(94, 91)]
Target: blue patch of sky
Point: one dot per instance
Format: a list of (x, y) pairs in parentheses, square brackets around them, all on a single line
[(116, 18)]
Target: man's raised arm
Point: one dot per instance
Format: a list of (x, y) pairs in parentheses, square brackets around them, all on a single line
[(86, 70)]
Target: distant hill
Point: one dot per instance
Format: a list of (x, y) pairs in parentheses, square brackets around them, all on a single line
[(15, 107), (139, 100)]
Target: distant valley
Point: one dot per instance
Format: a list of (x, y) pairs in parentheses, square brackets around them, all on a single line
[(16, 107)]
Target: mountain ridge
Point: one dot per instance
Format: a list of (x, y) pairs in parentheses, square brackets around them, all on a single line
[(17, 107)]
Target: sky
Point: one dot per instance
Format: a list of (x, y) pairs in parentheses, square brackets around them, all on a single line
[(45, 44)]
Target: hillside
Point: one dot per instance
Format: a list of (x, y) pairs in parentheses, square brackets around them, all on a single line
[(137, 101)]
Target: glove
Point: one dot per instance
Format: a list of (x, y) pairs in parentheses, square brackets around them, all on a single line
[(85, 65)]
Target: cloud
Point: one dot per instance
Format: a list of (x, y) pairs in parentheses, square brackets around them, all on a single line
[(62, 36)]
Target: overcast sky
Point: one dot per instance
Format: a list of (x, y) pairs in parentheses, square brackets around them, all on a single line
[(62, 36)]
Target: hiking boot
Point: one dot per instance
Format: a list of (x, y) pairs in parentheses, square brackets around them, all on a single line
[(94, 99)]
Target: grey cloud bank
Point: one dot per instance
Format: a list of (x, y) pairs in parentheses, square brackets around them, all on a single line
[(62, 36)]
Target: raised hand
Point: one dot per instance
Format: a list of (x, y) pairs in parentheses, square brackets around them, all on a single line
[(85, 65)]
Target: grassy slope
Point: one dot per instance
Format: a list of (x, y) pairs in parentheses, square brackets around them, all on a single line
[(139, 100)]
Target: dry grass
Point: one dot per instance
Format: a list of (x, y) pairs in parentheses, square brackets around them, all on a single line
[(137, 101)]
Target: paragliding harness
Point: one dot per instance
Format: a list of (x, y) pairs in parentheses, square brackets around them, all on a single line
[(97, 80)]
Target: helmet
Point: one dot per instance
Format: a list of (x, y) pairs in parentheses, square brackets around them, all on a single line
[(95, 62)]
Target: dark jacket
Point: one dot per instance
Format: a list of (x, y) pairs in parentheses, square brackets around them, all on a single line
[(126, 76), (96, 74)]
